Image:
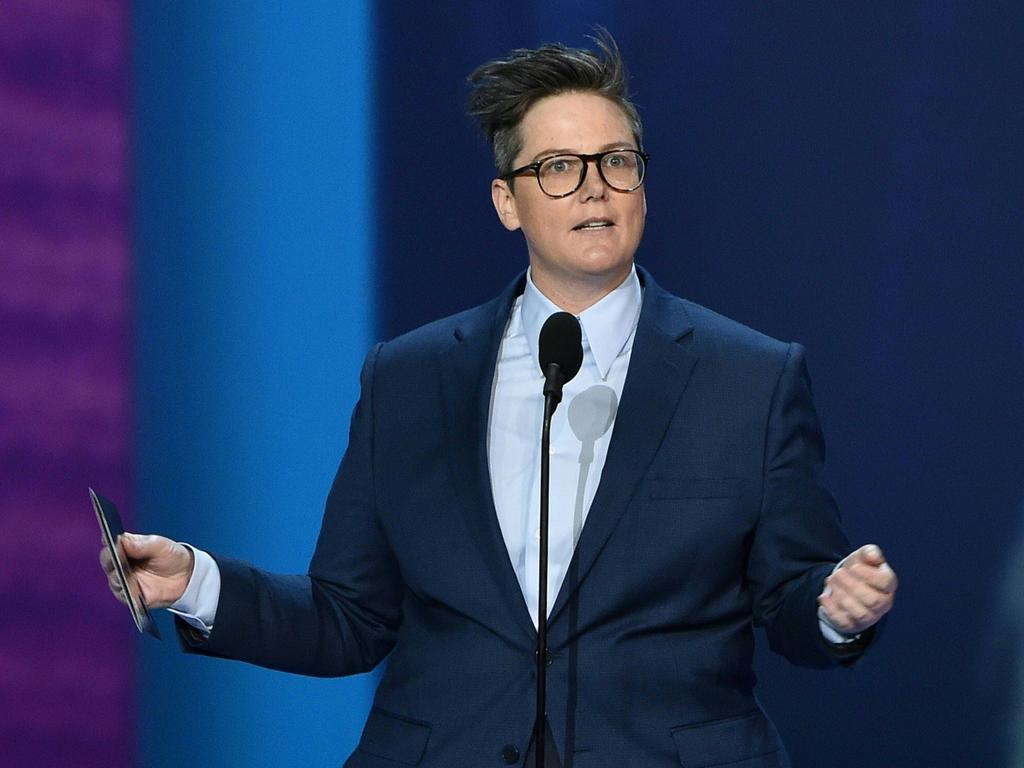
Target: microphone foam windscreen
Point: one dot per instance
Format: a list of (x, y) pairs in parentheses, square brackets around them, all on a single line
[(561, 342)]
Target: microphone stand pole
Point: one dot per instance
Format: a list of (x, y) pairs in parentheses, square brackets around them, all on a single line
[(551, 400), (560, 357)]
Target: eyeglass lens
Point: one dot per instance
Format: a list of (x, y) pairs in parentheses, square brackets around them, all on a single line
[(563, 174)]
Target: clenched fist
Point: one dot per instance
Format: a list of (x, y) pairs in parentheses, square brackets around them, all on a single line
[(160, 568), (860, 592)]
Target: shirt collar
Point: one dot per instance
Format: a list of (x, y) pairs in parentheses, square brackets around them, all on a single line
[(607, 325)]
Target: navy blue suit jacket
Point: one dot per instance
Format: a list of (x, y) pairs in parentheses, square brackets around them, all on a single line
[(710, 517)]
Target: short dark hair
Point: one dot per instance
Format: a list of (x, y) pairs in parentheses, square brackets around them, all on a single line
[(505, 89)]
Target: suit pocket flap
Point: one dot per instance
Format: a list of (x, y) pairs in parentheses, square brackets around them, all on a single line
[(697, 488), (723, 742), (395, 738)]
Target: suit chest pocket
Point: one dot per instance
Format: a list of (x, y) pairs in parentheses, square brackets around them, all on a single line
[(690, 519), (696, 489)]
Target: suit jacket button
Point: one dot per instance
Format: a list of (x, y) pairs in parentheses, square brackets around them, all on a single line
[(510, 754)]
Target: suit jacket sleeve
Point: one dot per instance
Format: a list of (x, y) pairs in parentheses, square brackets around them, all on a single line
[(342, 616), (798, 539)]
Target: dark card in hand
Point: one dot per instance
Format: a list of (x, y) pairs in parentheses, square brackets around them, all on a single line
[(110, 525)]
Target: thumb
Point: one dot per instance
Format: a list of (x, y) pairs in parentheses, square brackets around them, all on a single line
[(134, 544), (871, 554)]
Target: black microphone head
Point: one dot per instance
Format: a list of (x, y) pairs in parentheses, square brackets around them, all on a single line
[(561, 343)]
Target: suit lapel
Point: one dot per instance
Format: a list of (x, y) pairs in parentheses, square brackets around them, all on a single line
[(659, 370), (467, 372)]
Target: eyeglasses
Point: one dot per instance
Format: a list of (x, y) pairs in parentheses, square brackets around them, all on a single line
[(560, 175)]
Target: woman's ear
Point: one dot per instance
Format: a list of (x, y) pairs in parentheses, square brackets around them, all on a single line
[(505, 204)]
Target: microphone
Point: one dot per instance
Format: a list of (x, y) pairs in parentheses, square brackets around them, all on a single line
[(561, 353)]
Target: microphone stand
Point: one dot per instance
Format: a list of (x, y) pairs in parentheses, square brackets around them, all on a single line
[(560, 356), (552, 397)]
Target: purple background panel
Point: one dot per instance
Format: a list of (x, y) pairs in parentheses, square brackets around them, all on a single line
[(67, 649)]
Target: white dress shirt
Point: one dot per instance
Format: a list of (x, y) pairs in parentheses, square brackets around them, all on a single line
[(581, 429)]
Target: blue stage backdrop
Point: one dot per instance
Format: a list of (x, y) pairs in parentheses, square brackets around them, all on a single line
[(254, 177), (842, 175)]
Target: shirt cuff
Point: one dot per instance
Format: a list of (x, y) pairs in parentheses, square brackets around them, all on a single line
[(198, 604), (832, 634)]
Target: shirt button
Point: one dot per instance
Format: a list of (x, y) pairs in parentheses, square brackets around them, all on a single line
[(551, 450), (537, 533), (510, 754)]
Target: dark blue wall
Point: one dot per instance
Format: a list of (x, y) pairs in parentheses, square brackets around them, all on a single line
[(845, 175)]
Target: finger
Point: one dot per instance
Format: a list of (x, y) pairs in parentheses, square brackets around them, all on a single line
[(116, 591), (851, 617), (851, 607), (860, 604), (860, 616), (835, 615), (113, 582), (135, 587), (106, 561), (847, 587), (881, 577), (827, 601)]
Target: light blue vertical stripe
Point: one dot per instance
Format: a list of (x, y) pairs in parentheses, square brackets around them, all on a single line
[(255, 308)]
